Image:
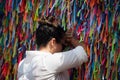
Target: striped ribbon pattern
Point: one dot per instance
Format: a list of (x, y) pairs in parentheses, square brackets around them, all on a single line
[(96, 22)]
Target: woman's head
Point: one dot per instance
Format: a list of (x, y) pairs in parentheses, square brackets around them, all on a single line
[(50, 34)]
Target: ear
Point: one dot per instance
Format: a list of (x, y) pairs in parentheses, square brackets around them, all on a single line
[(53, 42)]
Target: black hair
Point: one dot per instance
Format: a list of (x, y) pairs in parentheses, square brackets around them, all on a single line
[(47, 29)]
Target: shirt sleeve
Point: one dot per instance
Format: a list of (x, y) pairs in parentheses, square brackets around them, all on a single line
[(62, 61)]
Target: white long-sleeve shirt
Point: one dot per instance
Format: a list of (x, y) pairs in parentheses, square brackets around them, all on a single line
[(38, 65)]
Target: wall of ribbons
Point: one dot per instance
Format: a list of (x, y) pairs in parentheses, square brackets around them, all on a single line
[(96, 22)]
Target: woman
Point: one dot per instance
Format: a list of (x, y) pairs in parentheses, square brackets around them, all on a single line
[(49, 62)]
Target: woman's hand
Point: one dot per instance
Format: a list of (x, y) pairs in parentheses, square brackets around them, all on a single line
[(72, 41)]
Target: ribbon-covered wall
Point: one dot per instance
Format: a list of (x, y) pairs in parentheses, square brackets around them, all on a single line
[(96, 22)]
